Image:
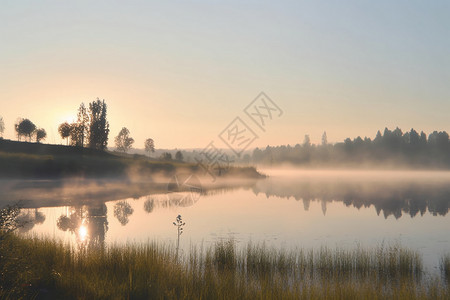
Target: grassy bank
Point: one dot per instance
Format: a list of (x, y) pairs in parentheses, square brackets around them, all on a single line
[(445, 267), (22, 160), (48, 269)]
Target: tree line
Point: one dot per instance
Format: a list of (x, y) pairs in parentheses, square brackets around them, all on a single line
[(26, 129), (390, 147), (91, 128)]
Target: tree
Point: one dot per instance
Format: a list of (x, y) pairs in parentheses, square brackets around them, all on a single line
[(16, 128), (149, 146), (25, 128), (2, 127), (64, 130), (324, 139), (179, 156), (378, 137), (82, 123), (76, 135), (414, 138), (306, 141), (41, 134), (423, 139), (123, 140), (166, 156), (99, 126)]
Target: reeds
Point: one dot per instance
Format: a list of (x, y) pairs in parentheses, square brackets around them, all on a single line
[(44, 268), (445, 267)]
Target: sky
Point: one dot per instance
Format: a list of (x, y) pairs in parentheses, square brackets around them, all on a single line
[(180, 71)]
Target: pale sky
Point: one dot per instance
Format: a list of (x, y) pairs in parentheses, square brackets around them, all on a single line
[(181, 71)]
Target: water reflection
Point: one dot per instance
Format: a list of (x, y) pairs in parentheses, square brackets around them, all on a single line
[(88, 223), (29, 218), (122, 210), (149, 204), (170, 200), (389, 198)]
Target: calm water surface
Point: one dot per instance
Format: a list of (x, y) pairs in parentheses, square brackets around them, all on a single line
[(287, 210)]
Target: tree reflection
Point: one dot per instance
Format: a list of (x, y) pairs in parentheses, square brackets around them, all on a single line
[(88, 223), (97, 223), (29, 218), (122, 210), (72, 220), (149, 204), (389, 198)]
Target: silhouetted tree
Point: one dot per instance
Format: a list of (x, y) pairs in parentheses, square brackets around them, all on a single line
[(378, 137), (179, 156), (83, 124), (76, 135), (16, 128), (64, 130), (324, 139), (25, 128), (414, 138), (423, 139), (2, 127), (41, 134), (390, 147), (166, 156), (306, 141), (99, 126), (123, 140), (149, 146)]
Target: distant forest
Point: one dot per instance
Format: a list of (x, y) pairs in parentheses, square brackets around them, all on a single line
[(392, 148)]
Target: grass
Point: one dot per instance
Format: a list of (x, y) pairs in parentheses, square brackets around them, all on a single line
[(445, 267), (43, 161), (47, 269)]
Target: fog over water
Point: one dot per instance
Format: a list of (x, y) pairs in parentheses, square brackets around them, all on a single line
[(289, 209)]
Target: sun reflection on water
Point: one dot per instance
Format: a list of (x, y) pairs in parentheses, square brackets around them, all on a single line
[(82, 232)]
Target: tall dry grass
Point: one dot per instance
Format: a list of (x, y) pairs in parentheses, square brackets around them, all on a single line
[(44, 268)]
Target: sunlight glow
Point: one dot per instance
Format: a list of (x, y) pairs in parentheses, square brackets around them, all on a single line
[(68, 117), (82, 233)]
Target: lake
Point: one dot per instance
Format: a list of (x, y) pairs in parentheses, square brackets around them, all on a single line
[(289, 209)]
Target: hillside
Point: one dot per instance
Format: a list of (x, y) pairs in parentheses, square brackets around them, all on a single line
[(19, 160)]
